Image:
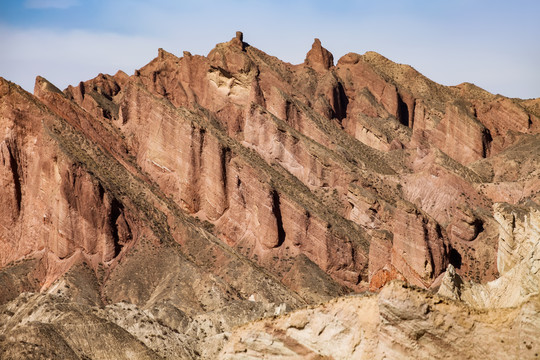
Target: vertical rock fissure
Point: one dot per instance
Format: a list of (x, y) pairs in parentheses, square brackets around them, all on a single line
[(116, 210), (340, 102), (430, 259), (402, 111), (101, 191), (202, 133), (287, 110), (16, 178), (223, 162), (308, 222), (454, 257), (279, 220), (486, 143)]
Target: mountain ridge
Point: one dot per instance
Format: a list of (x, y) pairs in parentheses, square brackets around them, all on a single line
[(202, 193)]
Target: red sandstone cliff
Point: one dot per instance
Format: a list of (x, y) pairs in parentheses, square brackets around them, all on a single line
[(257, 179)]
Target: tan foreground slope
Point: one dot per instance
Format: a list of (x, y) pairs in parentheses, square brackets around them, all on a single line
[(398, 323)]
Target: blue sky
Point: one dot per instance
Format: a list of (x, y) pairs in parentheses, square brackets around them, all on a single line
[(492, 43)]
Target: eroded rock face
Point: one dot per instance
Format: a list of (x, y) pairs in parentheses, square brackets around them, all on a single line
[(518, 262), (207, 191), (398, 323), (53, 209)]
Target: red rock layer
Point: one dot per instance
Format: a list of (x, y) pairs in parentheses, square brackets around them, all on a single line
[(365, 170)]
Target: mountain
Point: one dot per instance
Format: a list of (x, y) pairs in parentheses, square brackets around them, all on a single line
[(236, 206)]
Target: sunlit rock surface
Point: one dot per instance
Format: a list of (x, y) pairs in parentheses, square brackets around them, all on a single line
[(174, 208)]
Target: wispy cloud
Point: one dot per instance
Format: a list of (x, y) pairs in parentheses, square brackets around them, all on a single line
[(50, 4), (67, 57), (491, 43)]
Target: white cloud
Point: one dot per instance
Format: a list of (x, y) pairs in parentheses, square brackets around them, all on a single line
[(67, 57), (46, 4)]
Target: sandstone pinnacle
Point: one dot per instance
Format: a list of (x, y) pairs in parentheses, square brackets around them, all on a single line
[(238, 41), (318, 57)]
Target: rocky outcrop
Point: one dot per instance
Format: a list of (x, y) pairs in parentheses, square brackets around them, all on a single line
[(518, 262), (318, 57), (53, 209), (203, 192), (399, 323)]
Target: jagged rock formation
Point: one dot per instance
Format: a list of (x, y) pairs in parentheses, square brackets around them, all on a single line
[(398, 323), (202, 193), (518, 262)]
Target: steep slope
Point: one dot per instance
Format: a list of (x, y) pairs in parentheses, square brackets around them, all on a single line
[(202, 193)]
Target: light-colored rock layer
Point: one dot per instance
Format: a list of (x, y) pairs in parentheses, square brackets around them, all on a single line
[(518, 262), (399, 323)]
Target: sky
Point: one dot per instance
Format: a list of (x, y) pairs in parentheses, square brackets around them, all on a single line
[(494, 44)]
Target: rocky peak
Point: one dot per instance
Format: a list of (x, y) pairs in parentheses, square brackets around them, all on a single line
[(318, 57), (238, 40), (43, 84)]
